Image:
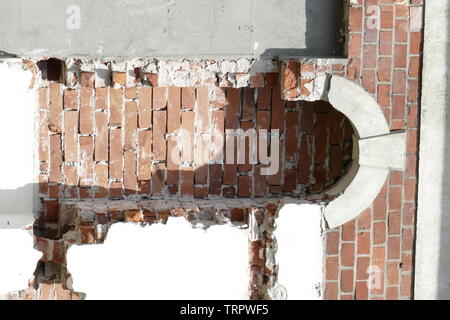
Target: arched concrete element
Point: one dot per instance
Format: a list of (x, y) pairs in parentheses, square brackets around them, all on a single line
[(376, 150)]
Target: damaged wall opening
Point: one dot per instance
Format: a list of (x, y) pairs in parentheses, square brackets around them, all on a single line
[(106, 146)]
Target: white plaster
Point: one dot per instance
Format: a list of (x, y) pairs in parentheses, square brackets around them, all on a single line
[(18, 260), (300, 251), (359, 106), (432, 269), (376, 150), (361, 192), (172, 261), (384, 151), (17, 114)]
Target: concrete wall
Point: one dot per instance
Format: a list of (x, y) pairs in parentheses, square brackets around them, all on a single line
[(432, 276), (169, 27)]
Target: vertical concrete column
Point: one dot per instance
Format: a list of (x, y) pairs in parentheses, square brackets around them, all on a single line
[(432, 274)]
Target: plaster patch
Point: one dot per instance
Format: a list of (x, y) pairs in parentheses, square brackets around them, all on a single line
[(300, 252), (172, 261), (18, 260)]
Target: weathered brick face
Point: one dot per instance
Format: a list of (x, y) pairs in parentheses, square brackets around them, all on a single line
[(117, 143)]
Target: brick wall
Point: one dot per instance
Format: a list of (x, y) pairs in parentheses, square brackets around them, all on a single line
[(385, 47), (113, 143)]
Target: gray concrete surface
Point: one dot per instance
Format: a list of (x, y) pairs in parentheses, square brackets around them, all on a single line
[(160, 28), (432, 274)]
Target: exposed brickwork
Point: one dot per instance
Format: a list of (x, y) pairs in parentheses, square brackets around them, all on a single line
[(115, 143), (386, 61)]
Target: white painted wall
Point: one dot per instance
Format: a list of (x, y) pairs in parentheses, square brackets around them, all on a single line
[(18, 260), (172, 261), (17, 143), (300, 251)]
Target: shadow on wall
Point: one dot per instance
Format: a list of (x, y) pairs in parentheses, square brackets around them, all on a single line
[(316, 38)]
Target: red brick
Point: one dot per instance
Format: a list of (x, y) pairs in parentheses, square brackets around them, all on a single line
[(129, 174), (400, 52), (354, 45), (364, 220), (215, 179), (395, 198), (394, 248), (232, 110), (144, 155), (131, 119), (101, 138), (332, 246), (384, 95), (370, 56), (70, 136), (173, 109), (364, 243), (56, 105), (415, 43), (115, 107), (249, 104), (87, 79), (43, 98), (55, 158), (347, 281), (119, 78), (361, 291), (160, 95), (245, 186), (130, 93), (386, 17), (331, 291), (332, 268), (115, 154), (394, 223), (407, 239), (406, 286), (368, 80), (159, 131), (348, 231), (188, 98), (379, 208), (392, 293), (86, 161), (158, 178), (384, 69), (399, 82), (401, 31), (145, 107), (355, 19), (386, 42), (264, 98), (101, 96), (410, 188), (70, 99), (86, 111), (101, 180), (201, 117), (348, 254), (362, 266), (187, 124)]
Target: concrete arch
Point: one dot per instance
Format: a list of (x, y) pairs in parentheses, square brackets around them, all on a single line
[(376, 150)]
